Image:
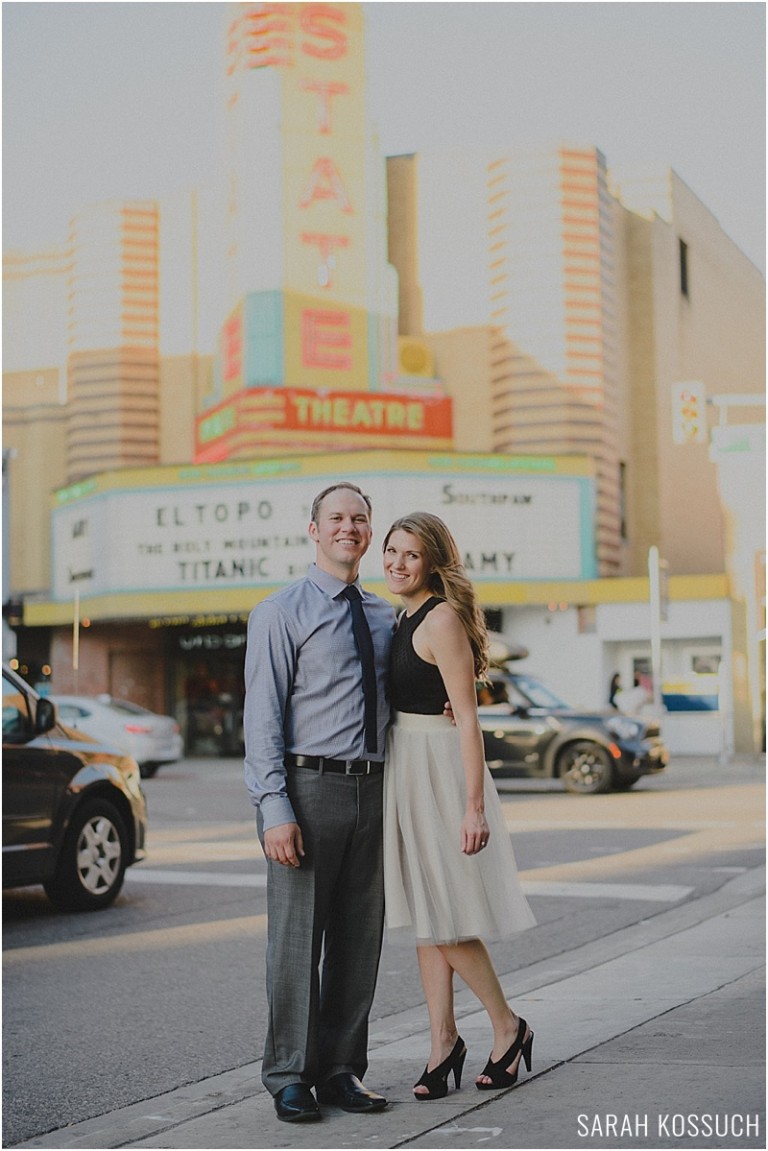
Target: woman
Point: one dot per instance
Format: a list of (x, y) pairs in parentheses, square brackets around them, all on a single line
[(613, 690), (449, 870)]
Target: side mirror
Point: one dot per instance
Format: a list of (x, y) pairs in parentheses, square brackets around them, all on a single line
[(45, 716)]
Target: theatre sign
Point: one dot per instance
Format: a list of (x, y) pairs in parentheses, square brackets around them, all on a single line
[(276, 418), (240, 529)]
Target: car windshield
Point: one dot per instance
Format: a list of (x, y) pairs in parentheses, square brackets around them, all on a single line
[(536, 693)]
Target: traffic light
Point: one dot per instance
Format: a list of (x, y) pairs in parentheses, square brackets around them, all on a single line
[(689, 420)]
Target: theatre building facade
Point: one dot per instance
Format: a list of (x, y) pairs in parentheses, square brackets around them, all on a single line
[(155, 489)]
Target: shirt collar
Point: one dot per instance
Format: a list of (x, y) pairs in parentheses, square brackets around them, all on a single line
[(330, 584)]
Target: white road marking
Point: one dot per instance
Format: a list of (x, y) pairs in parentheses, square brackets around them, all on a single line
[(486, 1132), (197, 878), (656, 892), (652, 892)]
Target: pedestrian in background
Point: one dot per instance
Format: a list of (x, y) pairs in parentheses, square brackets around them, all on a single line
[(316, 715), (450, 873), (614, 689), (631, 701)]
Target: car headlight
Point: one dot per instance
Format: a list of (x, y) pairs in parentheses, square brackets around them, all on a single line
[(623, 727), (131, 772)]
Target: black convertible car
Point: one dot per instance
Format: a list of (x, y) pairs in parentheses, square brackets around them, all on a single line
[(528, 730)]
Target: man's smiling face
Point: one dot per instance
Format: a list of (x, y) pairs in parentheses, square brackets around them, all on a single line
[(342, 533)]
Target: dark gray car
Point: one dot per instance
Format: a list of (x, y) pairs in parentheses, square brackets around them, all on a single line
[(529, 731)]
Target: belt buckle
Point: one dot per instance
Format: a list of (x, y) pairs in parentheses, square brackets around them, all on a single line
[(349, 767)]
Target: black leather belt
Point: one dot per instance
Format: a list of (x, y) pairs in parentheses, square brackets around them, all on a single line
[(341, 766)]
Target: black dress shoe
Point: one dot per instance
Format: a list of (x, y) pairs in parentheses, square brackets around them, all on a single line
[(347, 1092), (296, 1104)]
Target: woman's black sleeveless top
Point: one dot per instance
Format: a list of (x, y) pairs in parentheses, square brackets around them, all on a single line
[(414, 684)]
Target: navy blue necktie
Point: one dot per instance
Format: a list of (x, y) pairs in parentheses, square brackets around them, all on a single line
[(365, 651)]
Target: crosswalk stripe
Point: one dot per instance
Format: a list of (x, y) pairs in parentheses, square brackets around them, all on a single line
[(197, 878), (655, 892), (651, 892)]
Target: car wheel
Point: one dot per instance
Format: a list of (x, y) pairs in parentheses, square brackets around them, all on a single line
[(147, 770), (91, 867), (585, 768)]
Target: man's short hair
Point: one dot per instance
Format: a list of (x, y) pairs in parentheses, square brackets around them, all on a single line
[(317, 502)]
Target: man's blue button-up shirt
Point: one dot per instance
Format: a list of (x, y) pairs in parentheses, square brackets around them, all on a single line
[(304, 684)]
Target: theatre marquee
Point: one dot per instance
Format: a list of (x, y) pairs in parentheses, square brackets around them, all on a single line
[(243, 525)]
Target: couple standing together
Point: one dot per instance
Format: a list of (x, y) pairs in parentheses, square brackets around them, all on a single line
[(332, 680)]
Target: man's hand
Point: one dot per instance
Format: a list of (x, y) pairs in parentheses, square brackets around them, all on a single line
[(284, 844)]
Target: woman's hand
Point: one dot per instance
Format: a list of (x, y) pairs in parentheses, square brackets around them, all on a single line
[(474, 832)]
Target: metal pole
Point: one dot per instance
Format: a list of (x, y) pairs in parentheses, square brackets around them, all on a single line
[(654, 576), (76, 639)]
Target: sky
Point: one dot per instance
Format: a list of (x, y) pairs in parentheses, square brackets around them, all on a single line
[(124, 100)]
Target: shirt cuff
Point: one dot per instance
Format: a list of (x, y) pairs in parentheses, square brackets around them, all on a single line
[(276, 809)]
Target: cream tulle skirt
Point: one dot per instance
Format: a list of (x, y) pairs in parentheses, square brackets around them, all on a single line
[(434, 893)]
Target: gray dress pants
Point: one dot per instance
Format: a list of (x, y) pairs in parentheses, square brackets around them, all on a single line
[(324, 931)]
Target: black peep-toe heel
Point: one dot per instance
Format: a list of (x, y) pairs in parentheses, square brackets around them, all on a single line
[(497, 1072), (436, 1081)]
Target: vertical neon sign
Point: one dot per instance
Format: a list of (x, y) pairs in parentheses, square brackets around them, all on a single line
[(301, 115), (328, 268)]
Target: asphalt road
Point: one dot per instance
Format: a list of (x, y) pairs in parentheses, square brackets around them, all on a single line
[(166, 987)]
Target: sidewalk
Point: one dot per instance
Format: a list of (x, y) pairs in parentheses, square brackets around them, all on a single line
[(651, 1037)]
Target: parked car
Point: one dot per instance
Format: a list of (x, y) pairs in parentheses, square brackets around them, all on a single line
[(74, 814), (528, 730), (149, 738)]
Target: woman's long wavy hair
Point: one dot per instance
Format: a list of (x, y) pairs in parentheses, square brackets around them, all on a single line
[(448, 579)]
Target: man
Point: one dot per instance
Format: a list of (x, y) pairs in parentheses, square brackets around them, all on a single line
[(316, 715)]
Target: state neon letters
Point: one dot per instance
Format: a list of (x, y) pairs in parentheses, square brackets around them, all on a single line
[(326, 334), (316, 52)]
